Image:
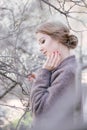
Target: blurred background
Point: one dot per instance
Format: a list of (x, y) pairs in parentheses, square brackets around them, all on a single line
[(20, 56)]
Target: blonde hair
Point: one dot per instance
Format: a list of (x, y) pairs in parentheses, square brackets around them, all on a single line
[(59, 32)]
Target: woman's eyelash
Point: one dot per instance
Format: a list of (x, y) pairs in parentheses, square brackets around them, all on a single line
[(43, 41)]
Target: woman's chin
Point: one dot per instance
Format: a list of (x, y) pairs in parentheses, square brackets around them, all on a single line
[(45, 55)]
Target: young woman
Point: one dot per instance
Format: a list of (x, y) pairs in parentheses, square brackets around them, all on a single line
[(53, 90)]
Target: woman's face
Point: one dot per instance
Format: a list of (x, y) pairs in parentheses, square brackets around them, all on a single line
[(47, 44)]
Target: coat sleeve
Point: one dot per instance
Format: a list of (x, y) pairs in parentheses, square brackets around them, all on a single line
[(43, 94)]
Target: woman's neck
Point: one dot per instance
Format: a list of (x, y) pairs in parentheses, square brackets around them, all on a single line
[(65, 54)]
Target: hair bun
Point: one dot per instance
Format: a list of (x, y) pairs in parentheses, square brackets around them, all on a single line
[(73, 41)]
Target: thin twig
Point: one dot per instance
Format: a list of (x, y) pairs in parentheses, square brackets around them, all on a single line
[(7, 91), (14, 107)]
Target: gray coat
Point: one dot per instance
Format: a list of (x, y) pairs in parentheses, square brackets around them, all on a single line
[(53, 97)]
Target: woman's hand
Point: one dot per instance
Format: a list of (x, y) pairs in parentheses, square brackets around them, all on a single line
[(31, 77), (52, 61)]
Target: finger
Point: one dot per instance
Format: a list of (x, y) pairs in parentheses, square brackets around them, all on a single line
[(51, 57), (32, 76), (48, 63), (57, 60), (54, 59), (30, 79), (47, 60)]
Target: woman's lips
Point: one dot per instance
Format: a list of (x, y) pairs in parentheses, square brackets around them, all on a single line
[(45, 52)]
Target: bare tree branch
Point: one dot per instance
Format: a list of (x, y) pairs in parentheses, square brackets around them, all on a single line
[(7, 91), (14, 107), (64, 13)]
